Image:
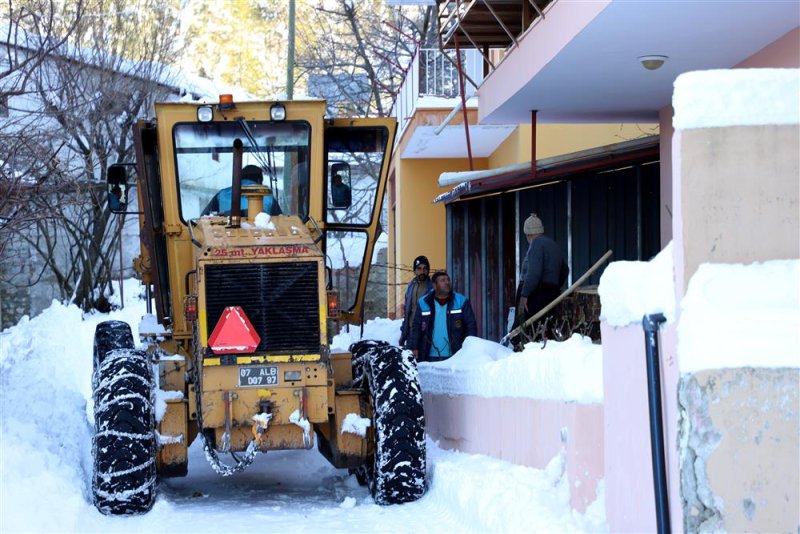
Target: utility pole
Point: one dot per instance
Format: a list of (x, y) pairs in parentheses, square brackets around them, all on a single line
[(290, 58), (287, 165)]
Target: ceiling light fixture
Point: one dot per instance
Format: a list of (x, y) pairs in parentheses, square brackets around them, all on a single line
[(652, 62)]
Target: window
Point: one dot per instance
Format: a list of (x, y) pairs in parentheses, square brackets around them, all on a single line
[(355, 157), (278, 153)]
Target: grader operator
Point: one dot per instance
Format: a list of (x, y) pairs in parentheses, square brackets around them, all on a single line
[(244, 299)]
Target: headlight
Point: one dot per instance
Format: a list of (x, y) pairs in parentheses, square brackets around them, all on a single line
[(205, 113), (277, 112)]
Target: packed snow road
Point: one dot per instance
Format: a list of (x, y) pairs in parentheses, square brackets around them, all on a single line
[(46, 465), (282, 491)]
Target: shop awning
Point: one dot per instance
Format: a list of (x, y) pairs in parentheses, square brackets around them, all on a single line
[(519, 176)]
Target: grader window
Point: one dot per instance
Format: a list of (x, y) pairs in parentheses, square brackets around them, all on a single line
[(346, 251), (355, 157), (204, 165)]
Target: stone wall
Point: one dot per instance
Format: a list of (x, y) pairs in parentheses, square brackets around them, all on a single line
[(740, 470)]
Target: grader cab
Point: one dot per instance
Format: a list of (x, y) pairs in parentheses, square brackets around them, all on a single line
[(258, 222)]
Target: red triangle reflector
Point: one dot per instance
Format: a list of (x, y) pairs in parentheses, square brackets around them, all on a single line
[(234, 333)]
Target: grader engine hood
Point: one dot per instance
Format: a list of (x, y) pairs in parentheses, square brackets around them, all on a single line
[(281, 237), (275, 274)]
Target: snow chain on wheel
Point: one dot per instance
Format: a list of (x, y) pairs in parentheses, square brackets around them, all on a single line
[(396, 473), (124, 444), (214, 461)]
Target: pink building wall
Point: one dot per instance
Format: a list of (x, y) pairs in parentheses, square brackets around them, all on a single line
[(564, 21), (782, 53), (526, 432), (609, 441), (627, 464), (630, 503), (665, 148)]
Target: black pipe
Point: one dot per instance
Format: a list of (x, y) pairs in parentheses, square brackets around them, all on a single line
[(650, 324), (186, 280), (236, 186)]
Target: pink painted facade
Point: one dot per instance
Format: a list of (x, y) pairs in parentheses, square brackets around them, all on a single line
[(564, 21), (530, 432), (526, 432), (627, 432), (784, 53)]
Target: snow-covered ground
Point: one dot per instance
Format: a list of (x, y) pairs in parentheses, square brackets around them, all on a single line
[(45, 460)]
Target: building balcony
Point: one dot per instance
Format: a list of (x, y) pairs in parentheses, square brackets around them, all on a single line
[(432, 82)]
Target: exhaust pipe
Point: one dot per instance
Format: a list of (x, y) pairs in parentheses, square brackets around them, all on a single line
[(236, 187)]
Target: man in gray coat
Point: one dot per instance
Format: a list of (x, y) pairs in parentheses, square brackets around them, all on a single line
[(417, 288), (543, 271)]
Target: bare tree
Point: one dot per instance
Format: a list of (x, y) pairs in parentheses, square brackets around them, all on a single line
[(359, 51), (81, 100), (34, 31)]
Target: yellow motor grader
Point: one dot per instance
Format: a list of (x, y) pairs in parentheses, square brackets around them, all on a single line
[(258, 222)]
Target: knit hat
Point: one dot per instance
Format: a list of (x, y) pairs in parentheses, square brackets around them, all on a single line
[(533, 225), (421, 260)]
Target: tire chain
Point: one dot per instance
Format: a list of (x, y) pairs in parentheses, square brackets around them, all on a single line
[(217, 465), (132, 368)]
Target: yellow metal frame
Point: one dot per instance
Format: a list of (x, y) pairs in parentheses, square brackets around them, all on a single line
[(317, 389)]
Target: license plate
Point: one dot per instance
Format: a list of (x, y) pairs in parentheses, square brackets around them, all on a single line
[(258, 375)]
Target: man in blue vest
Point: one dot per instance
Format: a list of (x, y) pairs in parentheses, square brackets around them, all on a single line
[(443, 319)]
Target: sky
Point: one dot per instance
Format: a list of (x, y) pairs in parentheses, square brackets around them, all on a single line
[(46, 463)]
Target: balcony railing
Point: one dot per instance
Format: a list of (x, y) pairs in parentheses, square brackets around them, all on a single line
[(431, 74)]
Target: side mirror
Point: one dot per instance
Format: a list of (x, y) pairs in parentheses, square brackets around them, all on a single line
[(339, 186), (118, 185)]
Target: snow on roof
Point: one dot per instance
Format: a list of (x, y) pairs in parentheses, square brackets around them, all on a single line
[(736, 97), (447, 179), (166, 75), (629, 290), (736, 315), (441, 102)]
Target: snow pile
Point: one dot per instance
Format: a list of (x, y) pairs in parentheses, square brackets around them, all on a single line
[(737, 315), (629, 290), (355, 424), (484, 489), (348, 503), (45, 421), (150, 325), (379, 329), (569, 371), (736, 97), (46, 462)]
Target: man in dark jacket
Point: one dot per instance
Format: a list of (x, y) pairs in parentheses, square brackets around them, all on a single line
[(543, 271), (443, 319), (417, 288)]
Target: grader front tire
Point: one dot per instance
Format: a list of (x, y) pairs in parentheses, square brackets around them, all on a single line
[(124, 443), (396, 472)]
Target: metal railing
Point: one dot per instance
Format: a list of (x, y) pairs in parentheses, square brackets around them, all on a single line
[(431, 74)]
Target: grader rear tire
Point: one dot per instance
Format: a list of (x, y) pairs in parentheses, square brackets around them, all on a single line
[(396, 472)]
